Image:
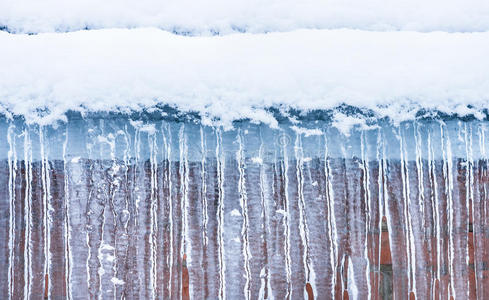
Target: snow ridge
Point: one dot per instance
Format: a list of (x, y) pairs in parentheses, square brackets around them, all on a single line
[(397, 64), (255, 16)]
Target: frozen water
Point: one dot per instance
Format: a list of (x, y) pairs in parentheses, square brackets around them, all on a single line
[(244, 149), (118, 206)]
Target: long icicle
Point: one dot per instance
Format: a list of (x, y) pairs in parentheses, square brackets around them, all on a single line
[(184, 186), (47, 208), (12, 163), (332, 230), (244, 212), (288, 259), (303, 226), (220, 215), (27, 213), (67, 229)]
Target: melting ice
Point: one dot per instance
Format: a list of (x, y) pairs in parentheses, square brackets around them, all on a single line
[(110, 207)]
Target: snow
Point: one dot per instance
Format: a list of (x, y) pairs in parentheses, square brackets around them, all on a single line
[(257, 160), (345, 123), (223, 16), (306, 132), (117, 281), (235, 213), (237, 76)]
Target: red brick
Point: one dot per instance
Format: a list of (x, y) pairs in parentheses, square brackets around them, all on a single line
[(385, 250)]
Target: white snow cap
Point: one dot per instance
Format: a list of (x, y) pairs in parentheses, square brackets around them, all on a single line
[(243, 56), (239, 76), (224, 16)]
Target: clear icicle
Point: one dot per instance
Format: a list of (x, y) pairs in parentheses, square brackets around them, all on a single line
[(112, 207)]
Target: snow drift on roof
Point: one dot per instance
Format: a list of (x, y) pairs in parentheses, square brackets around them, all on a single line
[(239, 76), (224, 16)]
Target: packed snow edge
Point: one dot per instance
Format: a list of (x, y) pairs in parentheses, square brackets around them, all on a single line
[(222, 17), (225, 78)]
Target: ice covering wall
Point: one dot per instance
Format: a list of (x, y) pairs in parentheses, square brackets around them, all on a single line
[(118, 206)]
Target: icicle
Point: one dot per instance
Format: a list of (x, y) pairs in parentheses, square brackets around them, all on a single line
[(205, 217), (113, 252), (469, 189), (167, 140), (286, 223), (480, 216), (419, 169), (379, 155), (420, 243), (220, 215), (184, 178), (204, 274), (303, 227), (448, 176), (27, 214), (47, 209), (395, 200), (244, 212), (122, 209), (432, 173), (267, 289), (352, 288), (332, 230), (368, 209), (153, 218), (67, 232), (411, 257), (12, 164)]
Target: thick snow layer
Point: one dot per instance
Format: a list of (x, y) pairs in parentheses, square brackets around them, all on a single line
[(224, 16), (239, 76)]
